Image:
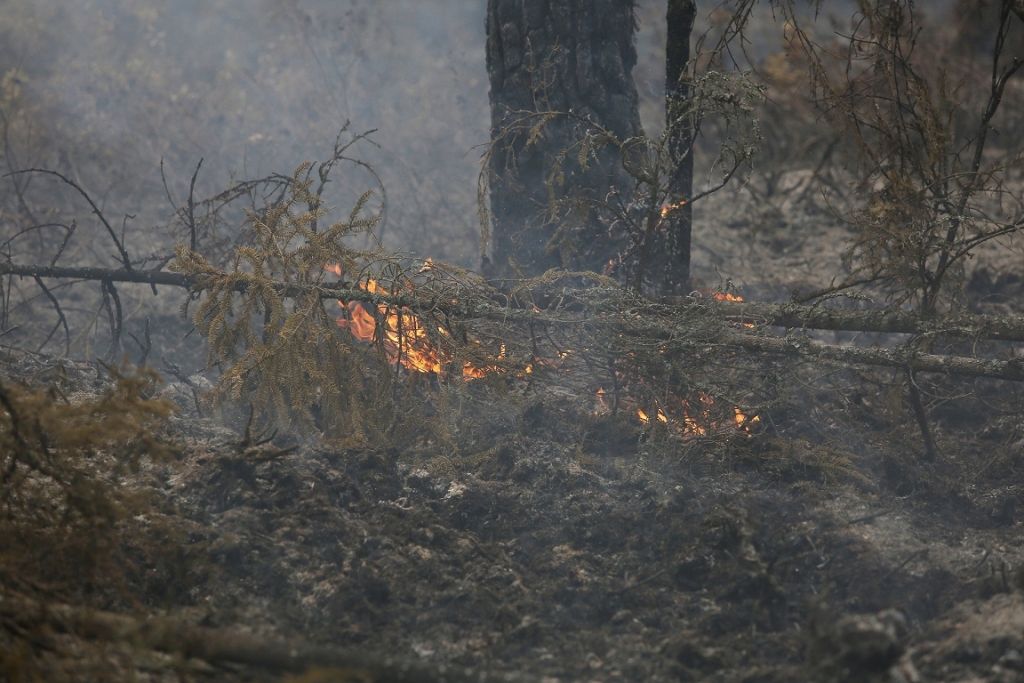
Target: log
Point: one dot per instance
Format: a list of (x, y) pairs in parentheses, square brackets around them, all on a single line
[(900, 357), (492, 305), (797, 316)]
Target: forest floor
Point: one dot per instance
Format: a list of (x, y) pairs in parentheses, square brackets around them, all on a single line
[(825, 547)]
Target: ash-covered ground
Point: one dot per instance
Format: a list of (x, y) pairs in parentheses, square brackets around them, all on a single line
[(590, 553), (564, 545)]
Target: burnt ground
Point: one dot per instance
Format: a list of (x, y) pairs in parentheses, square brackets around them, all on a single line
[(570, 546), (621, 556)]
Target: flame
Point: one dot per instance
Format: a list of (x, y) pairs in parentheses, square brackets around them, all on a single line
[(669, 208), (405, 339), (662, 417), (744, 421), (698, 421), (407, 342)]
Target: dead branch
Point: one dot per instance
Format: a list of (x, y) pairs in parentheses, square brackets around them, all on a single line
[(903, 358), (797, 316), (61, 320), (149, 277), (220, 646), (553, 310), (125, 259)]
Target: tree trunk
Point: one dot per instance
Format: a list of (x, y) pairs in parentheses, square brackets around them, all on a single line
[(561, 56), (679, 24)]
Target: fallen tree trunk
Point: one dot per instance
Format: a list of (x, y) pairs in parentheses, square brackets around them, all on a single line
[(570, 307), (797, 316), (218, 646), (964, 325), (900, 357)]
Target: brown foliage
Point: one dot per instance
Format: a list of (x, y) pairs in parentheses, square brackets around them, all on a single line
[(63, 463)]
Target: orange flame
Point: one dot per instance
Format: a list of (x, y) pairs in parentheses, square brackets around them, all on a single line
[(405, 339), (698, 421), (662, 417), (669, 208)]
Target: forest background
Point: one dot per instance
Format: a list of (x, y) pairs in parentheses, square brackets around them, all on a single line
[(125, 98)]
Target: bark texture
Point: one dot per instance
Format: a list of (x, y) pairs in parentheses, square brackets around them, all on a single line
[(680, 18), (567, 56)]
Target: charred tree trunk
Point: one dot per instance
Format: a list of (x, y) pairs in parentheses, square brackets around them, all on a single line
[(679, 124), (558, 56)]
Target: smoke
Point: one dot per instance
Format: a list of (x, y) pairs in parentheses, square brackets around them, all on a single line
[(254, 87)]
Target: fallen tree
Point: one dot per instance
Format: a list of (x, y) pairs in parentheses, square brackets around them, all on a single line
[(271, 305), (791, 315)]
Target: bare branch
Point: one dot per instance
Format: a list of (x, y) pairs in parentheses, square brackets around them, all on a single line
[(61, 320), (190, 215), (125, 259)]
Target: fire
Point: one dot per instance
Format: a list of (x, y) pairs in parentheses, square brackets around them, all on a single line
[(662, 417), (669, 208), (725, 296), (406, 340), (744, 421), (697, 421)]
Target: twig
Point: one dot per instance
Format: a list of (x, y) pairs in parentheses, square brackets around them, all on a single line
[(60, 321), (631, 586), (191, 207), (64, 243), (921, 416), (125, 259), (923, 552), (147, 347), (180, 375), (116, 319), (868, 518)]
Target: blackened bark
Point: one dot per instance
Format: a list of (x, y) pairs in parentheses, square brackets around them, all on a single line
[(679, 23), (567, 56)]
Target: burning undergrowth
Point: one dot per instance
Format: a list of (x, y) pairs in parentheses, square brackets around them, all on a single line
[(363, 346), (555, 479)]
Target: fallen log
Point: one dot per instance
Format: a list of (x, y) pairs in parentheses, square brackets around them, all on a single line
[(795, 316), (900, 357), (798, 316), (569, 307)]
